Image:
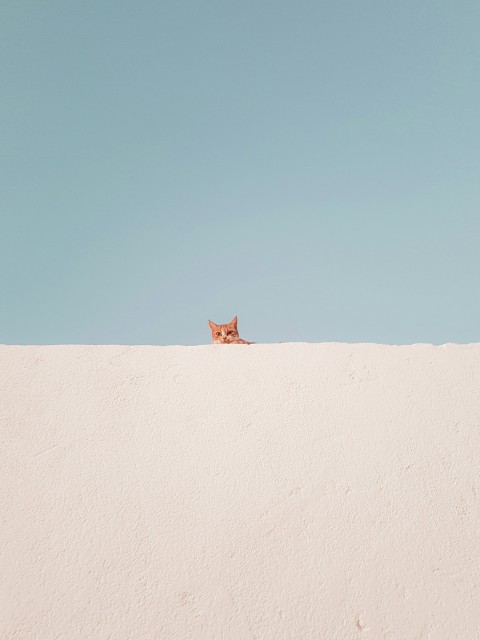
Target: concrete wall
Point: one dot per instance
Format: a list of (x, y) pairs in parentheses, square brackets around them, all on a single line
[(277, 492)]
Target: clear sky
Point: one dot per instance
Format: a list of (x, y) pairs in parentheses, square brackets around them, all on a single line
[(311, 166)]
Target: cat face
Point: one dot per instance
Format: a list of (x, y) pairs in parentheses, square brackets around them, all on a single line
[(224, 333)]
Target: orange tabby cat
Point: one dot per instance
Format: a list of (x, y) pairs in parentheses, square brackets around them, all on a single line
[(226, 333)]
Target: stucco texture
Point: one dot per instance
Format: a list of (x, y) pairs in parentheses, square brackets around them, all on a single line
[(273, 492)]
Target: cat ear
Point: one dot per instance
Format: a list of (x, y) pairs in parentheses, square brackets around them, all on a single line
[(212, 325), (234, 321)]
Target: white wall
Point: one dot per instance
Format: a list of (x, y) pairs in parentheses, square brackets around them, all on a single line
[(277, 492)]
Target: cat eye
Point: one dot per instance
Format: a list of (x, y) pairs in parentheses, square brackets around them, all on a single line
[(230, 333), (218, 333)]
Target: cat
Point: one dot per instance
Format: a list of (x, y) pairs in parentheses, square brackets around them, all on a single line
[(226, 333)]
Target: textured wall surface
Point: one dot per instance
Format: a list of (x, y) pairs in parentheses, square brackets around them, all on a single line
[(277, 492)]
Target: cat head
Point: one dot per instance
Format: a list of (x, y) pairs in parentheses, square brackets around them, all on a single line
[(224, 333)]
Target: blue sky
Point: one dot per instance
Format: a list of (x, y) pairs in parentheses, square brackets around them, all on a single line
[(312, 167)]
